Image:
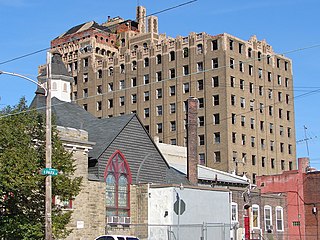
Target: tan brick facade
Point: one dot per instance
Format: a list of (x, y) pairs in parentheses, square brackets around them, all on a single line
[(245, 91)]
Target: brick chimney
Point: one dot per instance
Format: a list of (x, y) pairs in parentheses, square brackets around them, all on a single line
[(303, 164), (192, 141)]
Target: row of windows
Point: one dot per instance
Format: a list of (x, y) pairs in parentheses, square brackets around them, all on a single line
[(255, 216), (263, 145), (254, 161), (279, 62)]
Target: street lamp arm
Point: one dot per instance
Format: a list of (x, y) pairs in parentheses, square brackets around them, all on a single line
[(26, 78)]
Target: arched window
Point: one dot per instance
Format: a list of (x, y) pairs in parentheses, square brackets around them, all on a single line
[(118, 179)]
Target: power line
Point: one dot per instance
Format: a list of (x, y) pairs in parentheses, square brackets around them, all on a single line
[(45, 49)]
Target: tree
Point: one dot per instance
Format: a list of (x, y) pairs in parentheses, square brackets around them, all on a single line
[(22, 187)]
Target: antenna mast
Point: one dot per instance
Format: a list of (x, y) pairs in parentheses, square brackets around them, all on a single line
[(306, 139)]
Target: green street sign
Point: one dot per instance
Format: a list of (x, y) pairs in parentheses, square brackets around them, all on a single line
[(49, 171)]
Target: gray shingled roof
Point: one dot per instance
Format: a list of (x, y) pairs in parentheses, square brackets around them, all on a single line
[(101, 131)]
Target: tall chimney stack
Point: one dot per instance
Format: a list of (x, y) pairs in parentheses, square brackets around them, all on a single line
[(192, 141)]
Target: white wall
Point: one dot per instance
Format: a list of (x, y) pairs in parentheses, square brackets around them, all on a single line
[(202, 206)]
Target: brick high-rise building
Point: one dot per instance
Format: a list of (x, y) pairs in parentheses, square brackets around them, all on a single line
[(244, 89)]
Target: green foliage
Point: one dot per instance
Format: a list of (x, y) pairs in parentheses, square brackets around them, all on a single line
[(22, 188)]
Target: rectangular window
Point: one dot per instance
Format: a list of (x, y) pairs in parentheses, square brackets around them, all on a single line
[(243, 121), (121, 84), (133, 82), (271, 127), (158, 76), (234, 137), (278, 63), (251, 87), (172, 126), (215, 100), (241, 66), (172, 73), (216, 137), (255, 216), (233, 118), (241, 84), (262, 125), (201, 121), (267, 218), (260, 72), (263, 144), (85, 92), (121, 100), (146, 113), (231, 63), (269, 76), (250, 70), (110, 87), (240, 48), (159, 93), (202, 159), (290, 149), (199, 66), (242, 102), (85, 77), (282, 165), (271, 145), (232, 81), (233, 100), (216, 118), (172, 108), (99, 89), (134, 98), (215, 81), (254, 159), (217, 156), (279, 218), (186, 88), (159, 127), (201, 103), (263, 161), (215, 63), (251, 105), (261, 90), (279, 80), (85, 62), (252, 123), (230, 44), (243, 139), (214, 45), (253, 141), (110, 103), (234, 212), (146, 96), (272, 163), (146, 79), (99, 106), (172, 90), (201, 140), (159, 110), (185, 70), (200, 84)]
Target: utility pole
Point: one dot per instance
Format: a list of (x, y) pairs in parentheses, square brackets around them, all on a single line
[(48, 197)]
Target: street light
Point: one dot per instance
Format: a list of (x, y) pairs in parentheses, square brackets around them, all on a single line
[(48, 183)]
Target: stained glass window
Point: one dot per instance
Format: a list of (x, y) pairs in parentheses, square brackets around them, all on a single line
[(118, 179)]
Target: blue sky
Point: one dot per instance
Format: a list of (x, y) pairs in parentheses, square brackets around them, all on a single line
[(289, 26)]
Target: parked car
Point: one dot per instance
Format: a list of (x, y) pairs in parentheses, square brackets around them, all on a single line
[(116, 237)]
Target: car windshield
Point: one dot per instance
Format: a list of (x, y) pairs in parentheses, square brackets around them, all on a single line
[(132, 238)]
